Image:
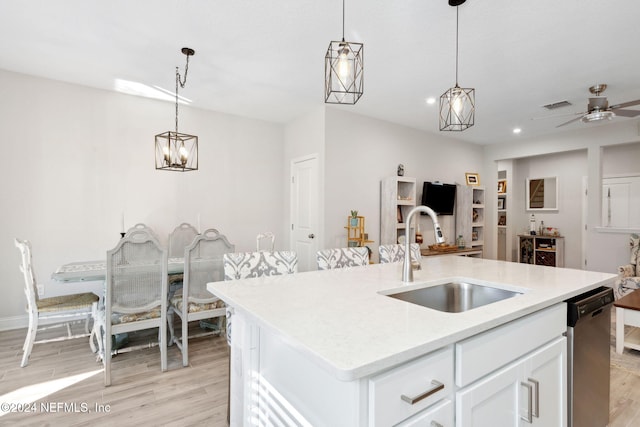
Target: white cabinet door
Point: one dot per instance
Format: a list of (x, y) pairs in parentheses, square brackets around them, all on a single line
[(491, 401), (528, 392), (546, 372)]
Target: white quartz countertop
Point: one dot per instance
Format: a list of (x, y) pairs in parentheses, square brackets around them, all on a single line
[(340, 320)]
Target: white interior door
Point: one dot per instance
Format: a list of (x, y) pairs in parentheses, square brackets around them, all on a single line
[(305, 192)]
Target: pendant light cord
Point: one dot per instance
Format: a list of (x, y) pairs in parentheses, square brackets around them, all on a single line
[(457, 45), (342, 20)]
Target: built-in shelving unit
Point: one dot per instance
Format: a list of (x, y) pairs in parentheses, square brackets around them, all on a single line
[(470, 214), (541, 250), (502, 216), (397, 198)]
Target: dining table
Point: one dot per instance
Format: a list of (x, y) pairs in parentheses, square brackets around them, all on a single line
[(91, 271), (95, 272)]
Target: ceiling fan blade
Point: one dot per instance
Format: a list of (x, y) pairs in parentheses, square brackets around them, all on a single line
[(627, 113), (570, 121), (557, 115), (626, 104)]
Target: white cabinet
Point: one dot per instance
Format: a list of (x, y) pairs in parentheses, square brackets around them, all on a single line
[(470, 212), (501, 377), (529, 391), (397, 198)]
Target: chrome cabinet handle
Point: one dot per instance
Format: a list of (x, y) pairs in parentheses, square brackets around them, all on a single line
[(529, 417), (311, 236), (437, 386), (536, 407)]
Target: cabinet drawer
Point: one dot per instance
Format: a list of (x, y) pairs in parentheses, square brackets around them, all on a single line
[(389, 392), (440, 414), (488, 351)]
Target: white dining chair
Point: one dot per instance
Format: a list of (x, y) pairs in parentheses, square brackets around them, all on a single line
[(51, 312), (136, 292), (203, 263), (265, 241)]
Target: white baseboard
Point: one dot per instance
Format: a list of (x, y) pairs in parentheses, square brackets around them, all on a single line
[(14, 322)]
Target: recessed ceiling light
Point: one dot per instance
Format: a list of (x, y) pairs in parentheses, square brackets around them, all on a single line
[(431, 100), (517, 130)]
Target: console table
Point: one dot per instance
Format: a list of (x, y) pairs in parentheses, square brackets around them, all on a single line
[(461, 252)]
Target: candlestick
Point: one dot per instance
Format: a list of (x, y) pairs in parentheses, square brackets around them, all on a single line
[(122, 223), (199, 223)]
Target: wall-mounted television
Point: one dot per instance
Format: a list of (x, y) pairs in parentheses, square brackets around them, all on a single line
[(439, 197)]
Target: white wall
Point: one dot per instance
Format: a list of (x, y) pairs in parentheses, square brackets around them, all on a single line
[(605, 250), (361, 151), (75, 159), (569, 168)]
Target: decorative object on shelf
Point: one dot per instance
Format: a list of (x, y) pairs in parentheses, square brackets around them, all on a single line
[(502, 220), (502, 186), (419, 239), (177, 151), (400, 220), (501, 204), (457, 105), (474, 235), (460, 242), (354, 218), (343, 71), (400, 169), (472, 178), (532, 224)]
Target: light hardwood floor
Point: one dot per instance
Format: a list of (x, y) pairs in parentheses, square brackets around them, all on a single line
[(142, 395), (139, 395)]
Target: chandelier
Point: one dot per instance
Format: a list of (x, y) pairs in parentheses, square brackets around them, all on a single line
[(177, 151), (457, 104), (343, 71)]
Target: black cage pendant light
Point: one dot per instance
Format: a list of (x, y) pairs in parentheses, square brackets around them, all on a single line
[(177, 151), (343, 71), (457, 105)]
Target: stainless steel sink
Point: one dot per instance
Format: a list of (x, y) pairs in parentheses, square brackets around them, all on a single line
[(455, 296)]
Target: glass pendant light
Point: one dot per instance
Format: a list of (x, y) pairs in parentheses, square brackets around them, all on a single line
[(343, 71), (457, 104), (177, 151)]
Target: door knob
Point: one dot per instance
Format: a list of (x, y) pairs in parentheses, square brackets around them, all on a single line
[(311, 236)]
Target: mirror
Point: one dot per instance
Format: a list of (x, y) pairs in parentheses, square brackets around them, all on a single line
[(542, 194)]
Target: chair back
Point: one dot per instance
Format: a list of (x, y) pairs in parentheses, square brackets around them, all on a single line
[(136, 274), (181, 237), (203, 264), (142, 227), (342, 257), (395, 253), (26, 267), (241, 265), (265, 241)]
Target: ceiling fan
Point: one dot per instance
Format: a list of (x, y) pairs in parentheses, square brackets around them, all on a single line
[(599, 108)]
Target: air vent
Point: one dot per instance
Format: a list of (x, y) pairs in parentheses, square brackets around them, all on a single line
[(558, 104)]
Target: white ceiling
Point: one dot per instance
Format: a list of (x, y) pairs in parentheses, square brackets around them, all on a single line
[(265, 58)]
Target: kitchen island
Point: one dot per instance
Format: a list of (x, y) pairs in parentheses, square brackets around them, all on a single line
[(321, 348)]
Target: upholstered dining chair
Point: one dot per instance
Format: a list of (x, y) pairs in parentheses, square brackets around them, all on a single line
[(202, 264), (136, 292), (242, 265), (50, 312), (342, 257), (265, 241), (395, 253)]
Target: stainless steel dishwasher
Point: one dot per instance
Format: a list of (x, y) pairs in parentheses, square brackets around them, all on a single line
[(588, 368)]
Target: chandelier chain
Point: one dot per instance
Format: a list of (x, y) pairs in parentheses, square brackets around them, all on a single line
[(180, 82), (457, 45)]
